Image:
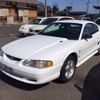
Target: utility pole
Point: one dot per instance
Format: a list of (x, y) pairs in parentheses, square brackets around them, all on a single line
[(97, 2), (52, 10), (98, 5), (45, 8), (88, 5), (72, 4)]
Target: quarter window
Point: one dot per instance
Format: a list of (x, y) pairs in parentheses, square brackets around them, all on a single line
[(90, 29)]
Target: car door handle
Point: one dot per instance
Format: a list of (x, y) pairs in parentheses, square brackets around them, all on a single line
[(98, 43)]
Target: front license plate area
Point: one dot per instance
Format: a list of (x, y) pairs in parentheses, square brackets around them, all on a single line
[(6, 69)]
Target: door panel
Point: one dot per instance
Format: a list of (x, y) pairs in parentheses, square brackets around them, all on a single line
[(90, 45)]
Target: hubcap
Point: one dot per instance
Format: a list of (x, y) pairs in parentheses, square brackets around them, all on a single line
[(69, 70)]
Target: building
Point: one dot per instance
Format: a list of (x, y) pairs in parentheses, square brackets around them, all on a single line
[(17, 10), (75, 14), (97, 8), (41, 9)]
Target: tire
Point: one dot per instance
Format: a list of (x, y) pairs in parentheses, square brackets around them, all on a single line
[(99, 51), (68, 69)]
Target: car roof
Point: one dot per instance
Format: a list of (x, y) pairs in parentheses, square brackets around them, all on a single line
[(76, 21), (60, 17), (41, 17)]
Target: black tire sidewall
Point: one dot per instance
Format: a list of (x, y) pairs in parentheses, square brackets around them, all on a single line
[(99, 51), (63, 78)]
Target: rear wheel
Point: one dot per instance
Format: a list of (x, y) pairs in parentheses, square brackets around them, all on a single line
[(68, 69)]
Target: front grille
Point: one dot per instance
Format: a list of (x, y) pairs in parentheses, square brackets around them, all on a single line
[(13, 58), (37, 31), (31, 30), (14, 73)]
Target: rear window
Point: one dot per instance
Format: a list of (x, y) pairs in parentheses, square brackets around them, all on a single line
[(48, 21), (66, 19), (35, 21)]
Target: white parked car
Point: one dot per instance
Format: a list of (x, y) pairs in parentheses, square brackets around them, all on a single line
[(86, 18), (54, 53), (37, 28), (24, 29)]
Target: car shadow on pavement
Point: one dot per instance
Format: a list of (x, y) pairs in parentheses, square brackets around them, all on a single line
[(91, 87), (20, 85)]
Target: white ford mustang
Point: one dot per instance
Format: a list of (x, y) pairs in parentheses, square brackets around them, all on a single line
[(54, 53)]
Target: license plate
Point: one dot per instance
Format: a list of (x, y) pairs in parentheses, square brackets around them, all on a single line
[(9, 70), (6, 69), (2, 67)]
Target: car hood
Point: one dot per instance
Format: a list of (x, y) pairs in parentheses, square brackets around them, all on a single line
[(26, 26), (26, 47)]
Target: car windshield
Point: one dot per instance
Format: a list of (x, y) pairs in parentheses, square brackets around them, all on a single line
[(98, 22), (70, 31), (48, 21), (35, 21)]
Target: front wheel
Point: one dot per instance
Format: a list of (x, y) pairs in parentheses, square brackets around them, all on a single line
[(68, 69), (99, 51)]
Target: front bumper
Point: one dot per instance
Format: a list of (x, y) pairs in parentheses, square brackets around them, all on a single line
[(20, 33), (28, 75)]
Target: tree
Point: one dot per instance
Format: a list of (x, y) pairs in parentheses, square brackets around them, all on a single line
[(68, 9), (55, 9)]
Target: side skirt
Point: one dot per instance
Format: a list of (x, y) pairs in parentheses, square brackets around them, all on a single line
[(86, 58)]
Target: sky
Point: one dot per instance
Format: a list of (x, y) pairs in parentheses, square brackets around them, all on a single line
[(78, 5)]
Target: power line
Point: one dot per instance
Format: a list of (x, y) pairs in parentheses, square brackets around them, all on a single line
[(97, 2)]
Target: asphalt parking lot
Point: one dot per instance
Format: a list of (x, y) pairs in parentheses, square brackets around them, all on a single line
[(84, 85), (6, 30)]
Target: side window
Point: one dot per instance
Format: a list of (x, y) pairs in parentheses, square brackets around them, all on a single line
[(95, 28), (90, 29)]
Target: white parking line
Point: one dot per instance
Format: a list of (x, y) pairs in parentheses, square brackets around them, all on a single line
[(10, 34)]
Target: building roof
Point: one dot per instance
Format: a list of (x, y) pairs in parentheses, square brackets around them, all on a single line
[(72, 13), (77, 13), (21, 4), (97, 7), (23, 1)]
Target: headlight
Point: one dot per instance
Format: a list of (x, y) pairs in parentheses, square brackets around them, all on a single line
[(1, 52), (22, 28), (31, 30), (38, 63)]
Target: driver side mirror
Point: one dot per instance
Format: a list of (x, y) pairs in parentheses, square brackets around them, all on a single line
[(87, 36)]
